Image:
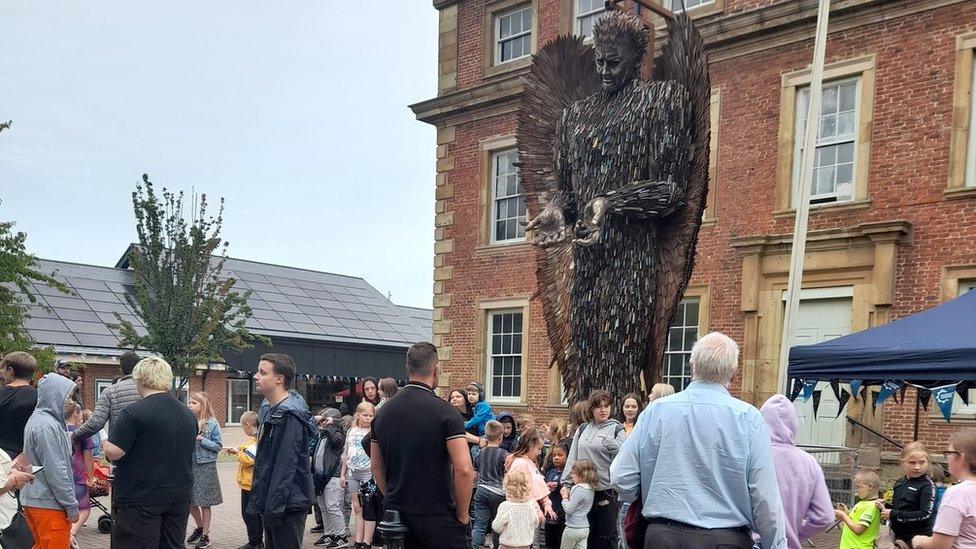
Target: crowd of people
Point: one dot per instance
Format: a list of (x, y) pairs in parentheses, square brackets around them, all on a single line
[(694, 469)]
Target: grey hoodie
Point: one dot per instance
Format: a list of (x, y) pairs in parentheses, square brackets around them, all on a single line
[(46, 443), (599, 444)]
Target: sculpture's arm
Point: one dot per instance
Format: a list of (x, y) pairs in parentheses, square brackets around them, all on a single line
[(560, 211)]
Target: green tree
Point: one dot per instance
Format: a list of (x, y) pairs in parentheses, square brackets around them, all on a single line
[(191, 312), (18, 269)]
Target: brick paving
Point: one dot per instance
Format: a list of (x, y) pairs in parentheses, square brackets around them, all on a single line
[(228, 532)]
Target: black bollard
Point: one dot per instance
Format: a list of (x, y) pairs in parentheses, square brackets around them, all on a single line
[(393, 529)]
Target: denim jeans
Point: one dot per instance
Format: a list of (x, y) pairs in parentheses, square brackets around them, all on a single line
[(486, 505)]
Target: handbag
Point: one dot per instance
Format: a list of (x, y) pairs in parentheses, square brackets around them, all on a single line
[(635, 524), (18, 534)]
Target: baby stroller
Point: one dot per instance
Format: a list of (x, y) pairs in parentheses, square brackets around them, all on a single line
[(100, 487)]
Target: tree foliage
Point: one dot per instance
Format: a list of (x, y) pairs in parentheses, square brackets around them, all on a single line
[(190, 311), (18, 269)]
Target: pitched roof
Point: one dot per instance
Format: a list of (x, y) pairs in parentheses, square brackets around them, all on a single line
[(285, 301)]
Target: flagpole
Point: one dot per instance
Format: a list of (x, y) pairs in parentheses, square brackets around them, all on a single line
[(799, 247)]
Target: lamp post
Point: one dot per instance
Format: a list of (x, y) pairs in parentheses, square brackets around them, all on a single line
[(393, 529)]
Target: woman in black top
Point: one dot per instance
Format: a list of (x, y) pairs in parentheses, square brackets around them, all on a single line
[(459, 400), (371, 390)]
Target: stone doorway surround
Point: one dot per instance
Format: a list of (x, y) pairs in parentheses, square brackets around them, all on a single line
[(863, 256)]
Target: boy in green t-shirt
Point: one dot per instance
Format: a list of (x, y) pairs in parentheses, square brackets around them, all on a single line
[(861, 524)]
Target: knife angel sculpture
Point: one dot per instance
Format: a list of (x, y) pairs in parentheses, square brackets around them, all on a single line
[(615, 170)]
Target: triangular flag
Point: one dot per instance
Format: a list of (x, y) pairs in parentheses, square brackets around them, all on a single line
[(923, 397), (816, 403), (808, 386), (887, 389), (963, 390), (835, 385), (842, 402), (943, 397), (795, 391), (855, 387), (874, 398), (900, 394)]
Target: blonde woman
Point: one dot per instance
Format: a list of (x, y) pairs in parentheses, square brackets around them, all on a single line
[(955, 524), (660, 390), (206, 485)]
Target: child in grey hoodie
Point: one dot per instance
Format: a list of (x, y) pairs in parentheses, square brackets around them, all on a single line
[(577, 503), (49, 502)]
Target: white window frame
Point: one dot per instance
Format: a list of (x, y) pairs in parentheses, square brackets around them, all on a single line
[(497, 40), (683, 379), (494, 157), (799, 131), (579, 16), (101, 385), (230, 382), (186, 388), (490, 354), (970, 180), (676, 5)]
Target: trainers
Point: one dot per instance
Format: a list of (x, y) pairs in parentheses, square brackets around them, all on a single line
[(317, 529), (324, 540), (204, 542), (338, 541), (197, 532)]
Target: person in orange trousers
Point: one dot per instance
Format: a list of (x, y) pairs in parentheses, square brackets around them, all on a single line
[(49, 502), (50, 527)]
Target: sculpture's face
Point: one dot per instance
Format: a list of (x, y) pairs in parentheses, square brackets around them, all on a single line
[(616, 63)]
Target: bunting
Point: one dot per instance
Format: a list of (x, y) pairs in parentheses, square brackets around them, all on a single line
[(795, 391), (943, 397), (816, 403), (889, 388), (835, 386), (842, 402), (855, 387), (808, 386), (923, 397)]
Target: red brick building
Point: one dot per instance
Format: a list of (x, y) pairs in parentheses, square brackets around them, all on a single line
[(892, 231)]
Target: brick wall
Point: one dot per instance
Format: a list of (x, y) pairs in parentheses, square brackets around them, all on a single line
[(908, 175), (216, 386)]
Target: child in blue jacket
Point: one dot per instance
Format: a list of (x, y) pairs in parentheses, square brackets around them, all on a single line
[(481, 410)]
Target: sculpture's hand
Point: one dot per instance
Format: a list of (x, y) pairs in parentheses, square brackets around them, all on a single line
[(551, 226), (589, 227)]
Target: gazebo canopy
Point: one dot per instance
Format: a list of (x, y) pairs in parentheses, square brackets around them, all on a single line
[(936, 344)]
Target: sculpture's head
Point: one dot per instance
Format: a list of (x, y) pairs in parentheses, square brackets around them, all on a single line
[(620, 42)]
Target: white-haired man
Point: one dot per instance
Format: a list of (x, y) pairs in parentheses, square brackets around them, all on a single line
[(702, 461), (152, 443)]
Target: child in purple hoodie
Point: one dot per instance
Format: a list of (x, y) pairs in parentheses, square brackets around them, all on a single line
[(806, 501)]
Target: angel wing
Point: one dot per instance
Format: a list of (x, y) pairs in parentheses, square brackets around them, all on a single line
[(562, 72), (684, 60)]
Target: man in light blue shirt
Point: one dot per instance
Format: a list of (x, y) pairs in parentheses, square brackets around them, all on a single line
[(703, 462)]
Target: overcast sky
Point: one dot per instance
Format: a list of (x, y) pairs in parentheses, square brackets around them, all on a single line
[(294, 111)]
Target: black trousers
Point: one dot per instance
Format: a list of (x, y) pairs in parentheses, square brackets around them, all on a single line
[(252, 522), (673, 536), (150, 526), (436, 532), (603, 520), (288, 533)]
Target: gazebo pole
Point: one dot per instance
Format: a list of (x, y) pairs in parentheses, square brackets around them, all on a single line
[(918, 406), (799, 246)]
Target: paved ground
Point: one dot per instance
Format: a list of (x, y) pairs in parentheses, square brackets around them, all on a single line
[(228, 529)]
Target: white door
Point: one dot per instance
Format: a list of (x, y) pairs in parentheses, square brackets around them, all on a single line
[(821, 320)]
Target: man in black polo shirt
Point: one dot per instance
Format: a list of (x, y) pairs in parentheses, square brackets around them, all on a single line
[(420, 459)]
